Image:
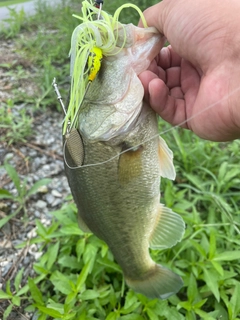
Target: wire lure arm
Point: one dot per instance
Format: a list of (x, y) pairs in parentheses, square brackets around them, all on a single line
[(59, 97)]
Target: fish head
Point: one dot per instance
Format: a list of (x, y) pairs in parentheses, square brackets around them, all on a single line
[(144, 44), (115, 98)]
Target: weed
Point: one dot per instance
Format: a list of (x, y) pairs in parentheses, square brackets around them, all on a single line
[(23, 192), (15, 123), (14, 23)]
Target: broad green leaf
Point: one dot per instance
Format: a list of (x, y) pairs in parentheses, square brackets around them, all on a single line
[(4, 295), (104, 250), (195, 180), (133, 316), (173, 314), (204, 315), (8, 288), (234, 172), (228, 274), (212, 244), (35, 292), (18, 279), (83, 275), (71, 229), (218, 267), (159, 307), (61, 282), (52, 254), (80, 248), (43, 316), (112, 316), (109, 264), (34, 189), (185, 304), (227, 256), (190, 315), (234, 301), (199, 248), (130, 299), (56, 306), (13, 176), (30, 309), (7, 312), (151, 314), (25, 289), (63, 217), (69, 261), (4, 220), (16, 301), (72, 316), (211, 280), (83, 315), (5, 194), (199, 304), (40, 269), (70, 297), (89, 252), (89, 295), (131, 308), (41, 230), (222, 171), (192, 291), (50, 312)]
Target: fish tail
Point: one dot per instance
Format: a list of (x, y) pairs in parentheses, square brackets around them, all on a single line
[(159, 282)]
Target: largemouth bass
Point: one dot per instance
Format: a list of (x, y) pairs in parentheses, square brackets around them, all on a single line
[(115, 162)]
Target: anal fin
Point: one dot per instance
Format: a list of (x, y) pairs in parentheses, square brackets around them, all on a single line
[(169, 229)]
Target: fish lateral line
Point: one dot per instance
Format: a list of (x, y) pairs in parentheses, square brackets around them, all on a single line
[(135, 147)]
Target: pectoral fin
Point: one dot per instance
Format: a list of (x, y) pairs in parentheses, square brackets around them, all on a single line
[(169, 229), (130, 165), (167, 169)]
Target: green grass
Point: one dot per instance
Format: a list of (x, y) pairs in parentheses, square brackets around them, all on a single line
[(77, 277), (4, 3)]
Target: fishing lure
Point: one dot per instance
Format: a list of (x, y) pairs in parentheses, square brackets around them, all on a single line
[(94, 65), (91, 40), (95, 37), (73, 140)]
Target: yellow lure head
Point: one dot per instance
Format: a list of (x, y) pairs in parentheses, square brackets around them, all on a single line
[(94, 62)]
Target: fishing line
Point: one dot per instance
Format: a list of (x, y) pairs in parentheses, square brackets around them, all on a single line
[(149, 139)]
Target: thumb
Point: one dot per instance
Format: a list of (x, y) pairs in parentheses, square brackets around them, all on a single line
[(154, 16)]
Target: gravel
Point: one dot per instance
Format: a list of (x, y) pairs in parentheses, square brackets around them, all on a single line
[(40, 157), (45, 162)]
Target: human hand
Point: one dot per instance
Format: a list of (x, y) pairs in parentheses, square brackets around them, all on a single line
[(195, 81)]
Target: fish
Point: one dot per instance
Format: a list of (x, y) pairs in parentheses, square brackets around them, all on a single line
[(114, 161)]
